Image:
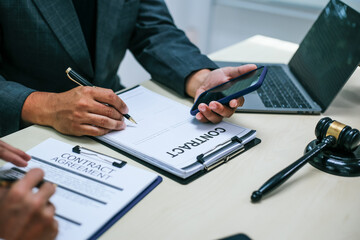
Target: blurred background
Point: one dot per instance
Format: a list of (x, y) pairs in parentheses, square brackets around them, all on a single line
[(215, 24)]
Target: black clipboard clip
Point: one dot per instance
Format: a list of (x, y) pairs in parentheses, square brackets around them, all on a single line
[(100, 156), (223, 152)]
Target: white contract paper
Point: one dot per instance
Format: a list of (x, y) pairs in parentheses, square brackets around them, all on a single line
[(166, 135), (90, 191)]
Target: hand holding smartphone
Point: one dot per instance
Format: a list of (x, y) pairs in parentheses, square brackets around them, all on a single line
[(232, 89)]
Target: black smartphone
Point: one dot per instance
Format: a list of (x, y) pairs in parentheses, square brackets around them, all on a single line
[(232, 89)]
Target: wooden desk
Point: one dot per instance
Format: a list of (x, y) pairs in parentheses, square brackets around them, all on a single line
[(310, 205)]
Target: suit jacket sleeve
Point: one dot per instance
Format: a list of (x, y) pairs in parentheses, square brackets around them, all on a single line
[(164, 50), (12, 98)]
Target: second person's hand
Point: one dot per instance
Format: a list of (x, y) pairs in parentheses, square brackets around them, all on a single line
[(26, 214), (13, 155)]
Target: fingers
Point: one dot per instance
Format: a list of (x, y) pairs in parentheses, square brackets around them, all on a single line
[(42, 224), (107, 96), (30, 180), (235, 103), (90, 130), (206, 114), (54, 229), (13, 155), (105, 122), (88, 111), (27, 213), (96, 130), (233, 72), (106, 110), (46, 190), (215, 112), (50, 209), (50, 226), (51, 231), (104, 114)]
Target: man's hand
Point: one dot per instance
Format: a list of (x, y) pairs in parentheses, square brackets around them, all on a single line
[(80, 111), (13, 155), (205, 79), (28, 215)]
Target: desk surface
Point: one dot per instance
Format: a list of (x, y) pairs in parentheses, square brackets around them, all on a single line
[(310, 205)]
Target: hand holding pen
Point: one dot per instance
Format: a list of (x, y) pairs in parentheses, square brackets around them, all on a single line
[(79, 111), (36, 220), (78, 79)]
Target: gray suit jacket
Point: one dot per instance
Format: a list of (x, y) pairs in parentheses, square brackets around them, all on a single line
[(39, 39)]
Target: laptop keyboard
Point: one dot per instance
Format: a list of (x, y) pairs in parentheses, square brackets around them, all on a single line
[(278, 91)]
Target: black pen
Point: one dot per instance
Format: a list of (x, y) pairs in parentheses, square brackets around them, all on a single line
[(6, 182), (78, 79)]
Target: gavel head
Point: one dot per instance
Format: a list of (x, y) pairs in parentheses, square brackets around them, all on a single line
[(346, 137)]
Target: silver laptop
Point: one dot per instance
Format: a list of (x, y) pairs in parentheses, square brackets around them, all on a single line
[(324, 61)]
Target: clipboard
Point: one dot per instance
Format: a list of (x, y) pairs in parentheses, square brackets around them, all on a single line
[(92, 192), (126, 209), (234, 146), (166, 125)]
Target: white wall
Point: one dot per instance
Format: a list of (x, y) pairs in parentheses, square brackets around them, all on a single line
[(189, 15), (236, 20), (215, 24)]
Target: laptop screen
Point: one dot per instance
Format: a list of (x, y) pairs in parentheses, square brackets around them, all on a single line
[(329, 53)]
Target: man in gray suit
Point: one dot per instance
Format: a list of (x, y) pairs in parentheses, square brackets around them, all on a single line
[(39, 39)]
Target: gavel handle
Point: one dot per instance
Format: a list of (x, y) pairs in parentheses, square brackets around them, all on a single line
[(287, 172)]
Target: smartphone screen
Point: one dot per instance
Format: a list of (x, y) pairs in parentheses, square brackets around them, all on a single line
[(232, 89)]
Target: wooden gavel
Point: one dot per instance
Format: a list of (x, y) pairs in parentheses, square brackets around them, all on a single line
[(329, 133)]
